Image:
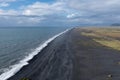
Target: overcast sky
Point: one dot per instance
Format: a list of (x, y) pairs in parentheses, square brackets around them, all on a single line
[(59, 12)]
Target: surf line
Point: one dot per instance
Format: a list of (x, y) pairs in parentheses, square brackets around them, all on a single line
[(15, 68)]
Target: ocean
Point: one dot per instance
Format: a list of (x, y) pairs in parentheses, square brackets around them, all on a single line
[(19, 45)]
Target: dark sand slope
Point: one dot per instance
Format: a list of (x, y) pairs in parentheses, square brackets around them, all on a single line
[(73, 56)]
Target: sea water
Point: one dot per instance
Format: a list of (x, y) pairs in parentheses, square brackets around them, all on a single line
[(19, 45)]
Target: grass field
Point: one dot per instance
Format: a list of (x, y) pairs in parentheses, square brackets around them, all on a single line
[(109, 37)]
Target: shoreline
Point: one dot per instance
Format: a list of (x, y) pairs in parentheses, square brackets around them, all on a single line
[(41, 63), (73, 56), (17, 67)]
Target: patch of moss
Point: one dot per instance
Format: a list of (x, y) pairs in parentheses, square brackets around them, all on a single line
[(115, 44), (109, 37)]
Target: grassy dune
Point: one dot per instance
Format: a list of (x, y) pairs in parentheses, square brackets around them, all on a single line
[(109, 37)]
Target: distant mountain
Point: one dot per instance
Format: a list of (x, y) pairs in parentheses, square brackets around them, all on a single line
[(115, 24)]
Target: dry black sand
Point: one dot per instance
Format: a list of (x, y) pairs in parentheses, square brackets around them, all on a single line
[(72, 56)]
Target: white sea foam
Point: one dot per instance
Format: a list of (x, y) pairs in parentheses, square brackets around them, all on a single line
[(15, 68)]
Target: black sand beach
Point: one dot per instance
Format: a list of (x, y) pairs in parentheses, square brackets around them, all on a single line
[(53, 63), (73, 56)]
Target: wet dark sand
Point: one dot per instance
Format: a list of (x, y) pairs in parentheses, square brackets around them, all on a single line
[(72, 56)]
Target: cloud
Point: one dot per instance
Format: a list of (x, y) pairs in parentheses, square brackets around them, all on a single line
[(95, 6), (105, 11), (39, 8), (8, 12), (63, 12), (7, 0), (4, 4), (36, 13), (71, 15)]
